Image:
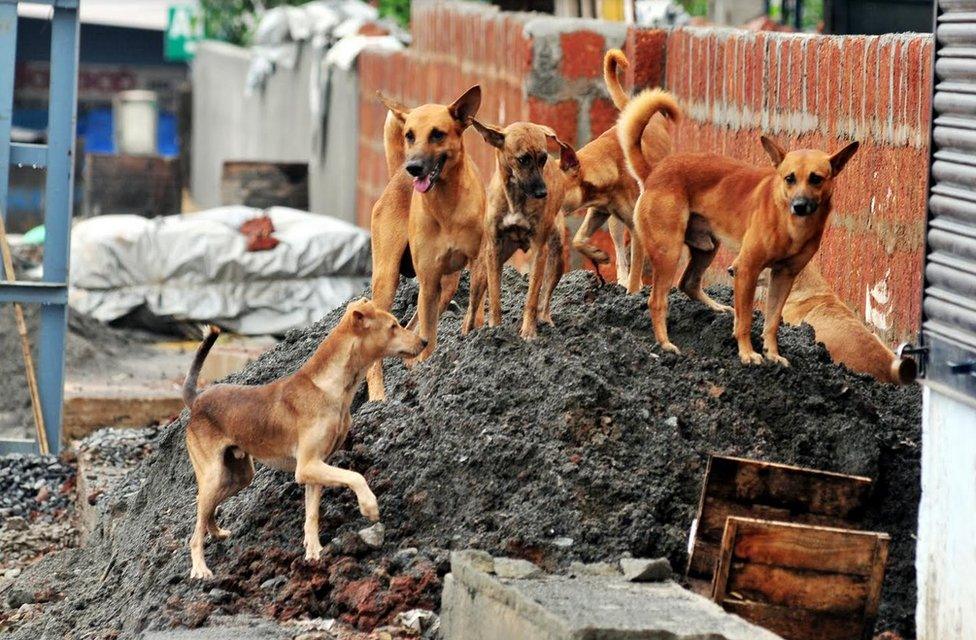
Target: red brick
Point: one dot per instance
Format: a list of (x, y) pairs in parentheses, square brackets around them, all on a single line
[(561, 116), (645, 51), (582, 54), (603, 115)]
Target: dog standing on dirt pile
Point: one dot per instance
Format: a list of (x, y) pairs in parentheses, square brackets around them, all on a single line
[(429, 220), (605, 185), (292, 424), (776, 215), (524, 199)]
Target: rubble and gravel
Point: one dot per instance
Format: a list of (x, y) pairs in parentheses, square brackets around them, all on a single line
[(35, 488), (584, 445)]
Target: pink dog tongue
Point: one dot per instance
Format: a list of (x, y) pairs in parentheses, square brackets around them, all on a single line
[(422, 184)]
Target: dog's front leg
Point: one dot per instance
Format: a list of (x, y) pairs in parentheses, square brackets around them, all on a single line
[(493, 269), (317, 472), (530, 316), (744, 294), (780, 284), (427, 313), (313, 498), (476, 296)]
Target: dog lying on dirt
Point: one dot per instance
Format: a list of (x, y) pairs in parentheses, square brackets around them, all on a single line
[(524, 199), (605, 185), (835, 325), (293, 423), (775, 214), (429, 220)]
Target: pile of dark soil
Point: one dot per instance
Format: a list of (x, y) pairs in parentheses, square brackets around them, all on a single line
[(584, 444)]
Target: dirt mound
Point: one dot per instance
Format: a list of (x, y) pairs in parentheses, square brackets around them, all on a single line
[(583, 444)]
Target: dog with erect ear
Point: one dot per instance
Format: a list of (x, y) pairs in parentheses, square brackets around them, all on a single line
[(774, 214), (430, 218), (294, 423), (525, 197)]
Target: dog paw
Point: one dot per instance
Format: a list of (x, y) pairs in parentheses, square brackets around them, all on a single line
[(313, 551), (723, 308), (669, 347), (370, 510), (529, 333), (777, 359), (201, 573), (751, 358), (220, 533)]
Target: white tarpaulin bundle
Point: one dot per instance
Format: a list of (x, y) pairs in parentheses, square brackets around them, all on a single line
[(197, 268)]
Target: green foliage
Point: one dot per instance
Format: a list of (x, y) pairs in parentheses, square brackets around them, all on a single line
[(398, 10), (695, 7), (813, 12)]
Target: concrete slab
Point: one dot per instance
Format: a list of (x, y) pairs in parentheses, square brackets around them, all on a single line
[(478, 606)]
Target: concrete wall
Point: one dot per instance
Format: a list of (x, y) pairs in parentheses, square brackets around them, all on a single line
[(945, 560), (273, 125), (808, 90)]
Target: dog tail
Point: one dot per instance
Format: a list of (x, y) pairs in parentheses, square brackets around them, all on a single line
[(393, 144), (613, 63), (190, 384), (632, 121)]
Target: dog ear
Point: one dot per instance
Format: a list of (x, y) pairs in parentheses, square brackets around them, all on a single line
[(776, 153), (839, 159), (359, 319), (398, 110), (568, 161), (466, 107), (492, 135)]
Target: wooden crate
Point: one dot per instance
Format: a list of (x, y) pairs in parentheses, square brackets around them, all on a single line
[(769, 491), (802, 582)]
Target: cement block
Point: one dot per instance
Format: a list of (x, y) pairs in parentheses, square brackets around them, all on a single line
[(479, 606)]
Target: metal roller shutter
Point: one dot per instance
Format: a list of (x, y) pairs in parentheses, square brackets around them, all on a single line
[(949, 297)]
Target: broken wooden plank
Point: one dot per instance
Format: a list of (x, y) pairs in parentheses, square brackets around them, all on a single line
[(770, 491), (802, 582)]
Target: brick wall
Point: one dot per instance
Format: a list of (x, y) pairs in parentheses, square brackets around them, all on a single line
[(819, 92), (814, 91)]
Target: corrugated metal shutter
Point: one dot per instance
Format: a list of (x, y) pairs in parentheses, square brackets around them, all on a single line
[(949, 298)]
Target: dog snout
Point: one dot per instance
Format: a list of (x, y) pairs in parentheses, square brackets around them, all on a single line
[(424, 342), (536, 188), (803, 206), (415, 168)]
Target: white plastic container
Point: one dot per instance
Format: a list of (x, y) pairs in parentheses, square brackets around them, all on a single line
[(135, 115)]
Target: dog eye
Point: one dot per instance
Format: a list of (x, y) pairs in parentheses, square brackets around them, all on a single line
[(436, 135), (525, 160), (791, 179), (410, 137), (815, 179), (542, 159)]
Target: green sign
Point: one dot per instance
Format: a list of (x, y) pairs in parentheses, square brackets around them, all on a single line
[(183, 30)]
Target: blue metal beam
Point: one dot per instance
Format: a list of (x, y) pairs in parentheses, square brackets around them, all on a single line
[(62, 116), (8, 64), (32, 155), (33, 292)]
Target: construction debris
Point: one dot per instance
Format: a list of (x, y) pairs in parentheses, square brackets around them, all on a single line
[(583, 445)]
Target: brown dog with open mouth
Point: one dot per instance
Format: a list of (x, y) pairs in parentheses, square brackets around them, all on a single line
[(430, 218), (524, 200), (605, 185), (775, 214), (294, 423)]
